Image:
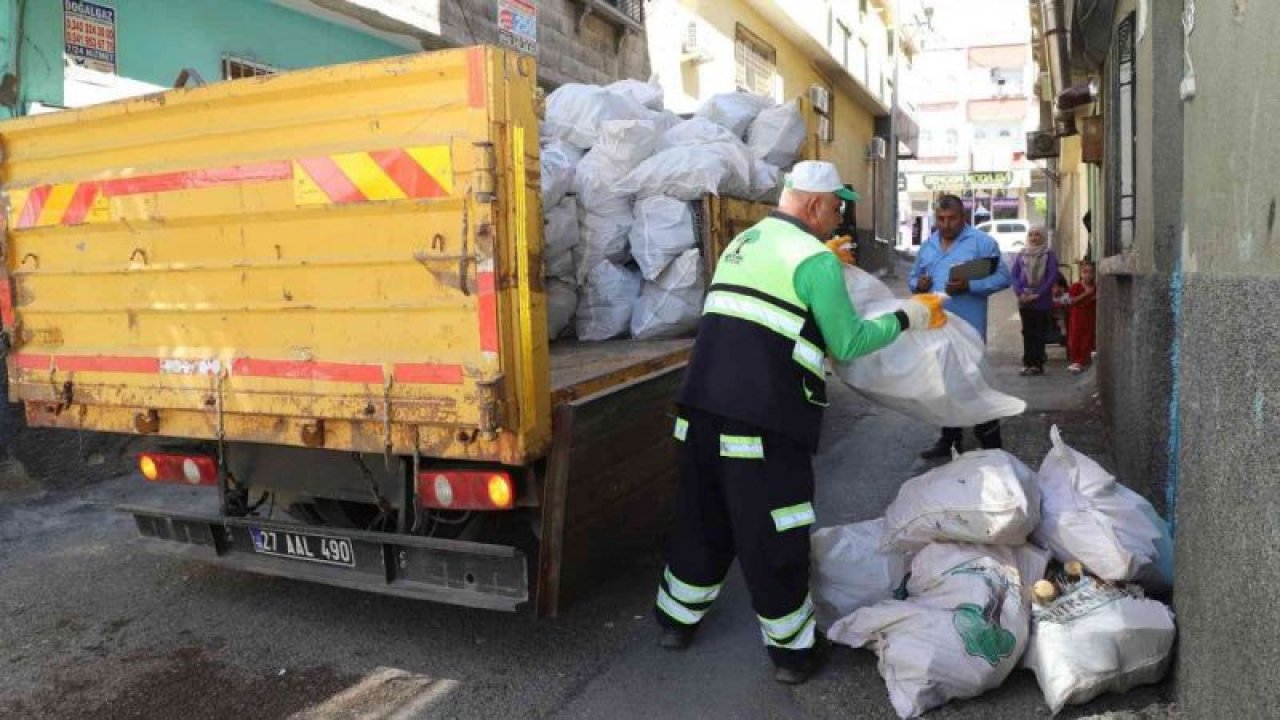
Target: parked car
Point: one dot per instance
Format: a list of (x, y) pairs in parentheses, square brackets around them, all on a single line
[(1011, 235)]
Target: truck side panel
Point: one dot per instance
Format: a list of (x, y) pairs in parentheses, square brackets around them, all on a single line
[(347, 248)]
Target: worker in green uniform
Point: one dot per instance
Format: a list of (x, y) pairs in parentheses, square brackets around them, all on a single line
[(750, 414)]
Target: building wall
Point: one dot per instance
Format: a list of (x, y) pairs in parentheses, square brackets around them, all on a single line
[(156, 39), (1135, 317), (1228, 535), (159, 38), (598, 53), (687, 84)]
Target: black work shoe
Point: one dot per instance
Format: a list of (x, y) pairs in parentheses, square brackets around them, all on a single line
[(816, 658), (677, 638), (942, 449)]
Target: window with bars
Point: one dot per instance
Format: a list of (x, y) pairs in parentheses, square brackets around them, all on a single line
[(234, 68), (631, 9), (1121, 151), (757, 63)]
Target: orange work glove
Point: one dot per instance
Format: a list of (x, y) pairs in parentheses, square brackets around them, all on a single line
[(924, 312), (842, 246)]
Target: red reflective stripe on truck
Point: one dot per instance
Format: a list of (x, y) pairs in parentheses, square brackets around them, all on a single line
[(35, 204), (477, 95), (307, 370), (165, 182), (80, 203), (487, 308), (89, 363), (6, 303)]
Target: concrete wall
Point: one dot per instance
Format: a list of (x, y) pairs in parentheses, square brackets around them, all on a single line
[(1228, 539), (1135, 322)]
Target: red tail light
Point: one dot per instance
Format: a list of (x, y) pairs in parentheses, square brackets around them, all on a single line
[(466, 490), (182, 469)]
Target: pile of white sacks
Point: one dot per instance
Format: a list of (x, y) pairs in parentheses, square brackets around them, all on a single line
[(619, 175), (940, 588)]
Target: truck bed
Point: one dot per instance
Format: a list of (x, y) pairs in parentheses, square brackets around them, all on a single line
[(579, 369), (252, 261)]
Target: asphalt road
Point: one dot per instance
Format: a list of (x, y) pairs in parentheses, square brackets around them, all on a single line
[(92, 625)]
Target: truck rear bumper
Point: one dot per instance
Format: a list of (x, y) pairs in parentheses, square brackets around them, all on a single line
[(472, 574)]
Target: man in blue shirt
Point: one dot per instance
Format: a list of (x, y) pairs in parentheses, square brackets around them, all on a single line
[(956, 242)]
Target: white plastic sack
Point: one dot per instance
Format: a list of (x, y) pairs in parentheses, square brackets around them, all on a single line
[(734, 110), (663, 230), (766, 182), (670, 306), (777, 134), (562, 303), (604, 307), (696, 131), (1090, 517), (850, 571), (939, 377), (688, 172), (986, 496), (561, 239), (605, 229), (665, 121), (646, 94), (576, 112), (959, 633), (558, 160), (1096, 639), (623, 145)]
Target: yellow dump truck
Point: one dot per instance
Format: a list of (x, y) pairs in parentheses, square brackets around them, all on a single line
[(319, 294)]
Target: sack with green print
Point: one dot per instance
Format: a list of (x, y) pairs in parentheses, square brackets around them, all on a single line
[(961, 629)]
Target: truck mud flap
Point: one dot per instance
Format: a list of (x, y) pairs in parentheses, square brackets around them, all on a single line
[(472, 574)]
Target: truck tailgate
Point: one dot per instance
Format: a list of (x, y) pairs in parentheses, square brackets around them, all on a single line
[(345, 257)]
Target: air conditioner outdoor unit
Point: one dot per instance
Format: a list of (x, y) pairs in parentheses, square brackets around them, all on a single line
[(826, 131), (690, 50), (877, 149), (1041, 145), (820, 98)]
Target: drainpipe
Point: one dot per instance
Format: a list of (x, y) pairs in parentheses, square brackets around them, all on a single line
[(1055, 40), (891, 153)]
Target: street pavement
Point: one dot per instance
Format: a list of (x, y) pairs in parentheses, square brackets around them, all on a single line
[(93, 625)]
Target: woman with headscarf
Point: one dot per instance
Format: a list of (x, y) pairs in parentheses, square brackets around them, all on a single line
[(1034, 271)]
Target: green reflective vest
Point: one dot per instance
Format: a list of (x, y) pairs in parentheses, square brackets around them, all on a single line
[(759, 356)]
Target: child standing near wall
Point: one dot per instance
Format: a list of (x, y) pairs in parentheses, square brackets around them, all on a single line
[(1061, 292), (1082, 305)]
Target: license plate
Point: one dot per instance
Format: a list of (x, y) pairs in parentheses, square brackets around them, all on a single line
[(325, 549)]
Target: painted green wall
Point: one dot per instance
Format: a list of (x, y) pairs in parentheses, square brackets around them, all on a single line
[(158, 38)]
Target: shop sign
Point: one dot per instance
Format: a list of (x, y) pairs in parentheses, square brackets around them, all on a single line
[(518, 25), (961, 181), (90, 35)]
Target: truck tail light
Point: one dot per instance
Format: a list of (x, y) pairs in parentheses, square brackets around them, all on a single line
[(181, 469), (466, 490)]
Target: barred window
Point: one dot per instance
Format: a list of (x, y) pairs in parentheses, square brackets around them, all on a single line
[(757, 63), (633, 9), (234, 68)]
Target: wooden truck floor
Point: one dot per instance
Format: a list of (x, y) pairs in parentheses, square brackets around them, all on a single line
[(579, 369)]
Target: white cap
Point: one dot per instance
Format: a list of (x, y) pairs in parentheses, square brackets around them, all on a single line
[(817, 176)]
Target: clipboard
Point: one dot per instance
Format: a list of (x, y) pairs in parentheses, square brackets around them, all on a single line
[(974, 269)]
